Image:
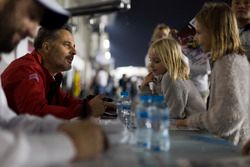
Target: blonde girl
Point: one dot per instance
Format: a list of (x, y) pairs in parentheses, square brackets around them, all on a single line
[(181, 96)]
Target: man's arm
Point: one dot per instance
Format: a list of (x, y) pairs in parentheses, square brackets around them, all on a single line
[(75, 140), (20, 149)]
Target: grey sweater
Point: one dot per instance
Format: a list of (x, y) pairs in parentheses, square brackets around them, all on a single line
[(181, 96), (228, 114)]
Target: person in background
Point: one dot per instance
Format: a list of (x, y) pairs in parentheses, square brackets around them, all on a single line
[(199, 68), (102, 77), (181, 96), (241, 8), (228, 112), (160, 31), (197, 60), (199, 75), (36, 88), (123, 83), (29, 140)]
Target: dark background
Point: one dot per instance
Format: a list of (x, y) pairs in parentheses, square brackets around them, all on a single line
[(131, 31)]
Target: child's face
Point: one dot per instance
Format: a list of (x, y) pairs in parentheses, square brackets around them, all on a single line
[(156, 64), (202, 37), (162, 33)]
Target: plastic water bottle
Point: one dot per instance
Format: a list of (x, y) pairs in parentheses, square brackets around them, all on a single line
[(159, 122), (142, 133), (125, 106)]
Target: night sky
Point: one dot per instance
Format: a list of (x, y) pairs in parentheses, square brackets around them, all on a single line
[(131, 31)]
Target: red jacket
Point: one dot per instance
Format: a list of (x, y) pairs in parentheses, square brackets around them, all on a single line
[(30, 88)]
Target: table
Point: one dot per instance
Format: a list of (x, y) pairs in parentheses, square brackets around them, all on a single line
[(186, 145)]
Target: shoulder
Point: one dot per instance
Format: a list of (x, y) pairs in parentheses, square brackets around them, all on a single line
[(232, 61), (22, 65), (26, 60), (166, 80), (231, 67), (168, 83)]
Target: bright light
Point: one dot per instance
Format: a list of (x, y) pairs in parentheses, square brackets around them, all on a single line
[(106, 44), (91, 21), (122, 5), (128, 6), (107, 55)]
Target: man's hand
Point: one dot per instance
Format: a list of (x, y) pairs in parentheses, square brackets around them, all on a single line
[(97, 105), (87, 137), (246, 148), (111, 107)]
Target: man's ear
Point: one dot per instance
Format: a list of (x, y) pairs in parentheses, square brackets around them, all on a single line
[(45, 47)]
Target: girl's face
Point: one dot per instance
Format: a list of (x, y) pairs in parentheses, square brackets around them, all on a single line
[(157, 67), (162, 33), (202, 37)]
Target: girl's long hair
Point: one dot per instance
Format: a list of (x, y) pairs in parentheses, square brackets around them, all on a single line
[(170, 54), (219, 20)]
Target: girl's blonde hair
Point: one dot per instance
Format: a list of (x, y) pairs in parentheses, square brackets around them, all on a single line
[(170, 54), (219, 20)]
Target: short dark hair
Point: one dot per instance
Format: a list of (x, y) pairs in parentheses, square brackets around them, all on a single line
[(45, 34)]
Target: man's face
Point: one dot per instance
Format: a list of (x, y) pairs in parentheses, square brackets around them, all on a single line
[(60, 52), (241, 9), (19, 19)]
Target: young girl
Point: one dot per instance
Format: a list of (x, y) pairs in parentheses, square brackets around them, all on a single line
[(228, 114), (182, 98)]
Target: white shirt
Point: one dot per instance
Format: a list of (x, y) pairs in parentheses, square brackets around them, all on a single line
[(27, 140)]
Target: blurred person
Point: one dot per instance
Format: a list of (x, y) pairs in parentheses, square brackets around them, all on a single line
[(228, 112), (29, 140), (241, 8), (36, 88), (102, 77), (110, 90), (123, 82), (197, 60), (199, 69), (160, 31), (181, 96)]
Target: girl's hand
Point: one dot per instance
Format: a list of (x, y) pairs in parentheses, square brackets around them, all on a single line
[(148, 78)]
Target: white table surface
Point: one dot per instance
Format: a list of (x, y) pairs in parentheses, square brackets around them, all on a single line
[(186, 146)]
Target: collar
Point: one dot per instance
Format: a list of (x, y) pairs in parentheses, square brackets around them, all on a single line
[(38, 57)]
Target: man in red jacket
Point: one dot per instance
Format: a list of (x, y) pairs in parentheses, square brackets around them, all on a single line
[(28, 140), (32, 82)]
